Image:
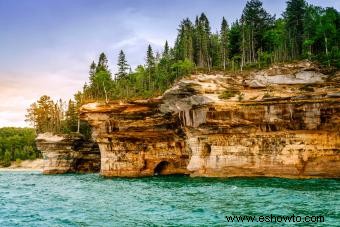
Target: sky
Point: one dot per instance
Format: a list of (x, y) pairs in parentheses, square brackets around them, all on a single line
[(46, 46)]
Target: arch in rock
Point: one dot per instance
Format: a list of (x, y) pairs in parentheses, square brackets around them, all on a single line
[(162, 168)]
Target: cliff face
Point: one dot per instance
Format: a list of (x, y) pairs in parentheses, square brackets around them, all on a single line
[(283, 121), (136, 139), (68, 153), (265, 139)]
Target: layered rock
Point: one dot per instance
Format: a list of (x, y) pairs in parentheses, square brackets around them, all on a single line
[(287, 127), (264, 139), (136, 139), (68, 153)]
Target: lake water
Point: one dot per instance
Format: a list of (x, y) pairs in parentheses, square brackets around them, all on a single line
[(33, 199)]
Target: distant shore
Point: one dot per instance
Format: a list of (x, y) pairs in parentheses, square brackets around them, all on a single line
[(27, 165)]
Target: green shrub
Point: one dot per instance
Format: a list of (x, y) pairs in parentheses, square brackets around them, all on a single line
[(18, 161), (7, 159), (227, 94)]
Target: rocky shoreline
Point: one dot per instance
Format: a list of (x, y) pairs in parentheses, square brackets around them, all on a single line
[(279, 122)]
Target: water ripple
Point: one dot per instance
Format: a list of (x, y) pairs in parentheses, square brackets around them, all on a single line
[(32, 199)]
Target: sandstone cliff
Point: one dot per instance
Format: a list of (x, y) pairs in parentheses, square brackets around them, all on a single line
[(283, 121), (136, 139), (68, 153)]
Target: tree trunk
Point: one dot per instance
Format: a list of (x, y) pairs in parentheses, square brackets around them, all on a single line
[(252, 44), (224, 59), (106, 99), (149, 80), (326, 48)]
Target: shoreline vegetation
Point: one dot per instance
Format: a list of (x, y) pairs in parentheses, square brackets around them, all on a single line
[(17, 145)]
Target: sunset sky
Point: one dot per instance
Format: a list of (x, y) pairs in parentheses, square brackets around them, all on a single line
[(46, 46)]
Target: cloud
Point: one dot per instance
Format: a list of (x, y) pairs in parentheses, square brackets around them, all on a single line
[(18, 93)]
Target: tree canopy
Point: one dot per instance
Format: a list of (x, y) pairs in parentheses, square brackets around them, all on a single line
[(257, 39), (17, 144)]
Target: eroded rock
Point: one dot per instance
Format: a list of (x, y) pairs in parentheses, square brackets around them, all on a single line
[(191, 130), (136, 139), (68, 153)]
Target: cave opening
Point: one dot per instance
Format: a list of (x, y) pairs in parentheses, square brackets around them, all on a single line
[(161, 168)]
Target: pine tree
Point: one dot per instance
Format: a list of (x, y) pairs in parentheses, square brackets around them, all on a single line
[(101, 80), (234, 39), (224, 41), (92, 73), (71, 117), (234, 46), (256, 21), (150, 58), (203, 33), (123, 66), (215, 51), (166, 49), (102, 63), (44, 114), (150, 64), (184, 43), (294, 17), (93, 67)]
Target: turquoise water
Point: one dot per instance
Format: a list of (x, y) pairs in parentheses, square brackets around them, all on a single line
[(33, 199)]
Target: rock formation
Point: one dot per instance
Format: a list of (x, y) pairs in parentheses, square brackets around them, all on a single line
[(136, 139), (283, 122), (68, 153)]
